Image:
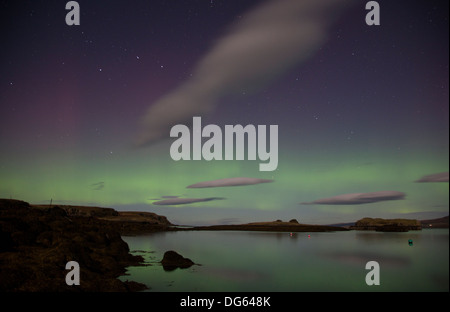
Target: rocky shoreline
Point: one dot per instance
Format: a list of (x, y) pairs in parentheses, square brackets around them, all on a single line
[(36, 243)]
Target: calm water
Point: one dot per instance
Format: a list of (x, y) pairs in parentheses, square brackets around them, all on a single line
[(267, 261)]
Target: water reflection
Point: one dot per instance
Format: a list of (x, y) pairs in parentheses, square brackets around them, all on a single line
[(361, 258), (279, 261), (236, 275), (380, 236)]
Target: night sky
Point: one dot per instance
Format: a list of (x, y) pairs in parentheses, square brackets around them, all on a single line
[(85, 110)]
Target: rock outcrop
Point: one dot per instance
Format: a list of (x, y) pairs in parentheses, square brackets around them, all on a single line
[(125, 222), (37, 243), (172, 260), (138, 222)]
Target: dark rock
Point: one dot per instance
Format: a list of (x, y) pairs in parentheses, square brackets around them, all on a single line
[(125, 222), (36, 244), (6, 242), (18, 205), (134, 286), (81, 211), (56, 211), (172, 260)]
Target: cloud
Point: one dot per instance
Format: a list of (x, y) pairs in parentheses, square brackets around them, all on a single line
[(265, 43), (437, 177), (229, 182), (358, 198), (98, 186), (184, 201)]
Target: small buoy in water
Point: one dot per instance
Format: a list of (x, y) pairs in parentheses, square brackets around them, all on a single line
[(410, 242), (309, 236), (290, 234)]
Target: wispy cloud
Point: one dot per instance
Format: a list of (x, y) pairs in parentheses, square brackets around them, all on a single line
[(184, 201), (98, 186), (240, 181), (358, 198), (268, 41), (436, 177)]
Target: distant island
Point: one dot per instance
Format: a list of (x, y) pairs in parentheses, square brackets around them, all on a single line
[(387, 225), (439, 223), (275, 226)]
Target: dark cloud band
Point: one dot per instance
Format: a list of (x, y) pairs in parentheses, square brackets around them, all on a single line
[(437, 177), (184, 201), (229, 182), (358, 198)]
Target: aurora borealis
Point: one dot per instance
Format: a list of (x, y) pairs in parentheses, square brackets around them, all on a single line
[(365, 110)]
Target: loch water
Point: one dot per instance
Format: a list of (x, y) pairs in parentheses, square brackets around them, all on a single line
[(232, 261)]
